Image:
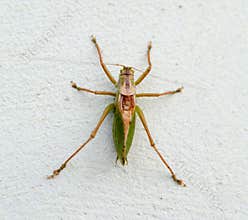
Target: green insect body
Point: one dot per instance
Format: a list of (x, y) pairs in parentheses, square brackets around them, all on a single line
[(124, 115), (125, 112)]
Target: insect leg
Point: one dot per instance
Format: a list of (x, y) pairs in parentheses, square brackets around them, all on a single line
[(148, 69), (105, 69), (159, 94), (92, 135), (74, 85), (143, 120)]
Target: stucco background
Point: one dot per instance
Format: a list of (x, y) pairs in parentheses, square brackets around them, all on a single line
[(202, 45)]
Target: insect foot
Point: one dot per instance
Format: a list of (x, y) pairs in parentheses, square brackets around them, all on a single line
[(180, 182), (56, 172), (93, 39), (149, 45), (74, 85), (180, 89)]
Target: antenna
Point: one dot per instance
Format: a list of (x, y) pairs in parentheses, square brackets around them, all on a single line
[(117, 64)]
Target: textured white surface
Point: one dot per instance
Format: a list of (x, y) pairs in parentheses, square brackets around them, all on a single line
[(202, 132)]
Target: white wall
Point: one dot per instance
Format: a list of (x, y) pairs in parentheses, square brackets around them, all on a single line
[(202, 132)]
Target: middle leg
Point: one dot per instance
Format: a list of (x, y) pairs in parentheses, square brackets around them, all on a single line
[(74, 85), (159, 94)]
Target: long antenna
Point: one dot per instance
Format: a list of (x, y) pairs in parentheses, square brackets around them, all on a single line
[(117, 64)]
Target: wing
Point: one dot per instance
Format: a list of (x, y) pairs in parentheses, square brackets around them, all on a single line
[(121, 147)]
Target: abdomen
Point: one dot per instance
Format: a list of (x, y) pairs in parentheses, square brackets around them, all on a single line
[(121, 147)]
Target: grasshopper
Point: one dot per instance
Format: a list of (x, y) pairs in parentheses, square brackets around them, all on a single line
[(125, 110)]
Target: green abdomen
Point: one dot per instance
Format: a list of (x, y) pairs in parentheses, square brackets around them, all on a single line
[(118, 135)]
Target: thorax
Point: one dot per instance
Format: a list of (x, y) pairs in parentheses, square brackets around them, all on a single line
[(126, 94)]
